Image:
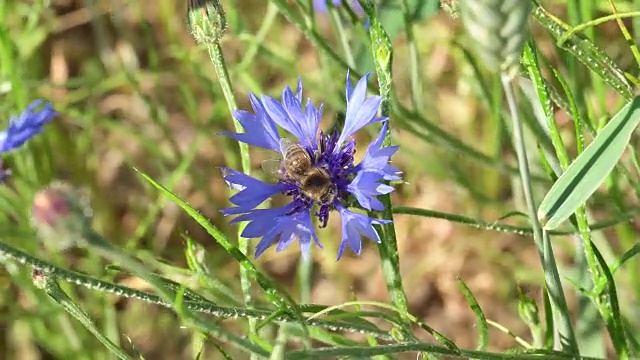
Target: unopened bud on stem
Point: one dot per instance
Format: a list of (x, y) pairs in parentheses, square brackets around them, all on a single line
[(206, 20), (61, 215)]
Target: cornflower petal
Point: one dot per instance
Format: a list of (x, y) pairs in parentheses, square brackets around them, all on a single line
[(299, 89), (366, 186), (354, 226), (301, 228), (376, 158), (361, 111), (260, 221), (288, 228), (312, 117), (260, 130), (276, 111), (308, 124), (27, 125), (253, 192), (333, 152), (321, 5)]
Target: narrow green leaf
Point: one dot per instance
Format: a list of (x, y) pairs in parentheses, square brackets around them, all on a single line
[(56, 293), (481, 320), (585, 51), (273, 292), (187, 293), (519, 230), (607, 300), (530, 61), (626, 256), (549, 323), (590, 169)]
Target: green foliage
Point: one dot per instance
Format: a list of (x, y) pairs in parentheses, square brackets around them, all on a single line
[(504, 154)]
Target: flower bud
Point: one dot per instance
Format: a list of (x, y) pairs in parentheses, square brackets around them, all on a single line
[(206, 20), (528, 310), (60, 215)]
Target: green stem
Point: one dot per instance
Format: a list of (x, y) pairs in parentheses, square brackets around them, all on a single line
[(95, 243), (258, 41), (541, 238), (202, 307), (350, 352), (596, 22), (342, 36), (217, 58), (382, 52), (519, 230), (305, 269), (55, 292), (414, 59)]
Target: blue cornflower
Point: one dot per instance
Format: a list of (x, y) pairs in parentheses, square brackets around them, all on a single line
[(22, 128), (321, 5), (331, 154)]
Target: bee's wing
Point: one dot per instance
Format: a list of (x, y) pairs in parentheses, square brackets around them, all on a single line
[(285, 144), (272, 167)]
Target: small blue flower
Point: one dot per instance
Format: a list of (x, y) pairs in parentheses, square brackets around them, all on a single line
[(332, 153), (21, 129), (321, 5)]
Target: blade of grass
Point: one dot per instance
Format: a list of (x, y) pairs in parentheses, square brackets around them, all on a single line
[(47, 283), (481, 320), (277, 296), (540, 237), (495, 226), (589, 170), (585, 51)]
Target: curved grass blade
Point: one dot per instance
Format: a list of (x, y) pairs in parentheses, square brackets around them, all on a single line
[(606, 298), (585, 51), (48, 284), (187, 293), (89, 282), (506, 228), (483, 337), (349, 352), (589, 170), (277, 296), (626, 256)]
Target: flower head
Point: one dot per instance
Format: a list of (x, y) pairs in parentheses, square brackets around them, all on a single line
[(22, 128), (317, 170)]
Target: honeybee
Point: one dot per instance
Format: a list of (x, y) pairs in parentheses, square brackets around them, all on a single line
[(297, 164)]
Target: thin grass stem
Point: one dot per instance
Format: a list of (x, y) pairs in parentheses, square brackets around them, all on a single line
[(217, 59), (541, 238)]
